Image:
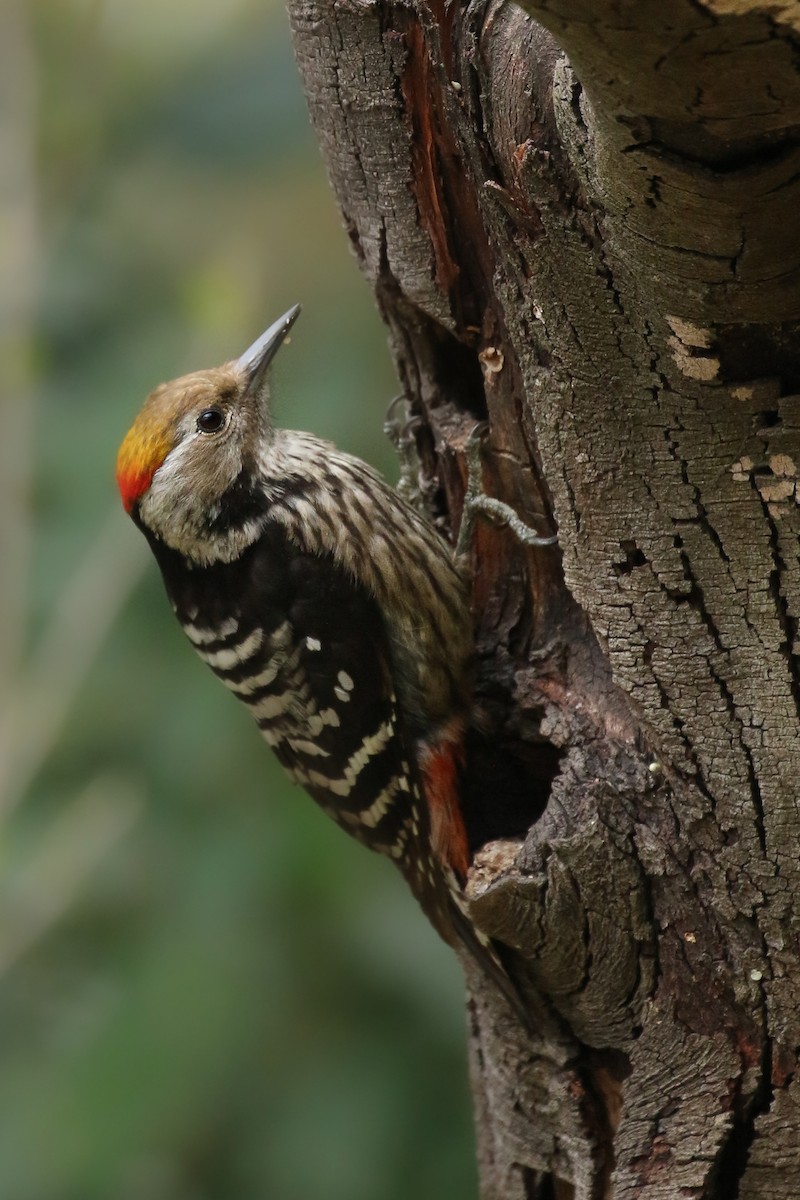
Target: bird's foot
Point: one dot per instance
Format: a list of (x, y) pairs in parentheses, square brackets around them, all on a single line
[(478, 504)]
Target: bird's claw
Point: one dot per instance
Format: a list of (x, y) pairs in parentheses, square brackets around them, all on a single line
[(478, 504)]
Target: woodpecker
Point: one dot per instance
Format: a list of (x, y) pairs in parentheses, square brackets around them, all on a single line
[(325, 603)]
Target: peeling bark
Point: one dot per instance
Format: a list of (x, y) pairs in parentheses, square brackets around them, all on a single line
[(579, 219)]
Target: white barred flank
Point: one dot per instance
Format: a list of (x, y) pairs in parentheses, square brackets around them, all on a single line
[(254, 683), (338, 787), (278, 691), (376, 811), (308, 748), (233, 656), (372, 745), (271, 706), (200, 636), (281, 659), (370, 748)]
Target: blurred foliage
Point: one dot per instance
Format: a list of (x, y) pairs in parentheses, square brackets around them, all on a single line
[(206, 990)]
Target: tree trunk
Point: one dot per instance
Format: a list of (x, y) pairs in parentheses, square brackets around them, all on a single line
[(588, 233)]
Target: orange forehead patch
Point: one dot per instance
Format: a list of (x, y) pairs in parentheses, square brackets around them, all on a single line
[(155, 432), (141, 454)]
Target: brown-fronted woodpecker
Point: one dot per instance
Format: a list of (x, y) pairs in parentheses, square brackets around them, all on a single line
[(325, 603)]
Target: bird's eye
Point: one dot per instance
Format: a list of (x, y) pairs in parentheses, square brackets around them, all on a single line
[(211, 420)]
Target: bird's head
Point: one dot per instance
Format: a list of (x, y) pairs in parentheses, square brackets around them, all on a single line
[(194, 442)]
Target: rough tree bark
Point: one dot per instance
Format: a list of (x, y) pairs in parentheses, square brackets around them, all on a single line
[(580, 220)]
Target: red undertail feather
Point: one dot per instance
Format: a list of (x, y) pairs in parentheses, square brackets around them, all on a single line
[(441, 765)]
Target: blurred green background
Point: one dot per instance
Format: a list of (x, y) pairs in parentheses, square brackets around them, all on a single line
[(206, 990)]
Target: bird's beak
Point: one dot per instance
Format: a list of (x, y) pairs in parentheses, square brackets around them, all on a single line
[(256, 359)]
